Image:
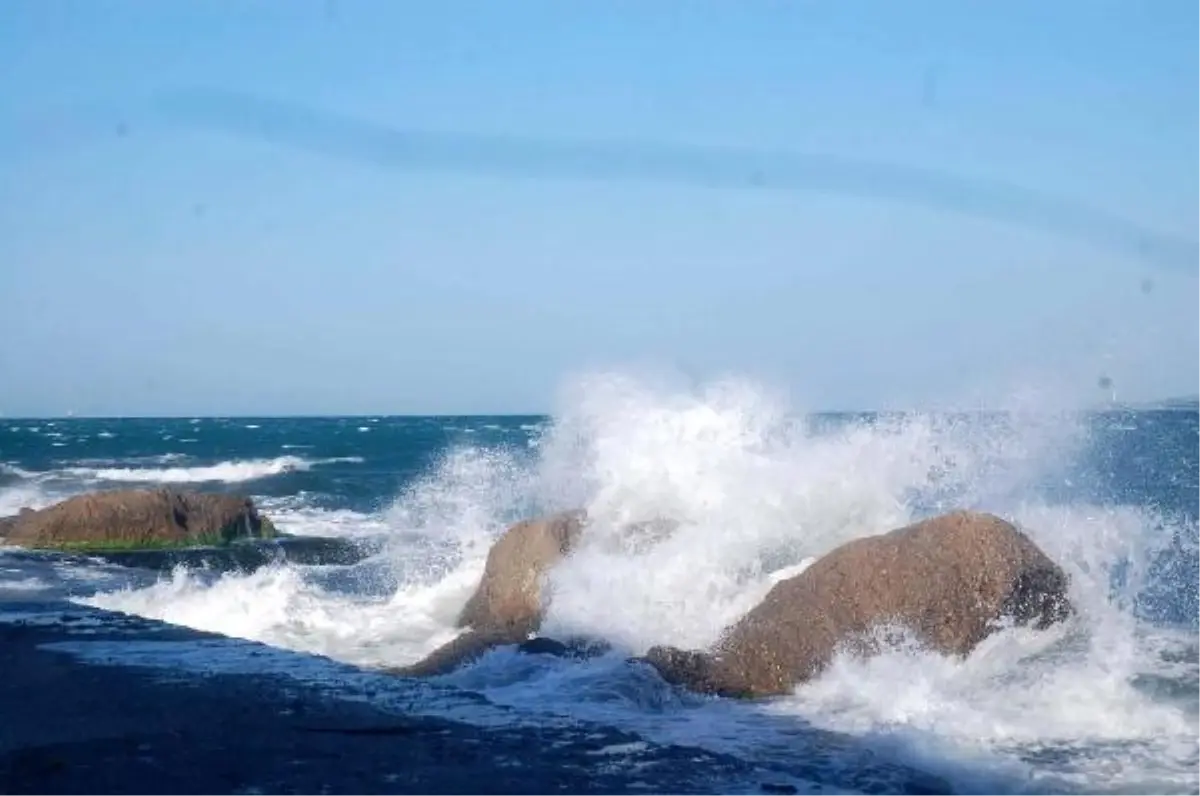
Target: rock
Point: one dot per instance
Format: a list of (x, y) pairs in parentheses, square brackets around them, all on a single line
[(474, 644), (577, 648), (541, 645), (465, 648), (248, 555), (948, 578), (132, 519), (507, 605), (509, 596)]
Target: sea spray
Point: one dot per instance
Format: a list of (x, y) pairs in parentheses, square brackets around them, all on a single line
[(751, 488)]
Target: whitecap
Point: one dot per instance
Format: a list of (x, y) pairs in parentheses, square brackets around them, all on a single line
[(233, 471)]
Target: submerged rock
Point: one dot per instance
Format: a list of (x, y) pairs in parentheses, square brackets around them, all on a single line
[(474, 644), (948, 579), (469, 646), (138, 519), (578, 648), (508, 604)]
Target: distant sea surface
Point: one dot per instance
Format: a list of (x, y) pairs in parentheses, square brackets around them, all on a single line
[(1105, 703)]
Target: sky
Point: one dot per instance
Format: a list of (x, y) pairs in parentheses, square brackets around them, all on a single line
[(339, 207)]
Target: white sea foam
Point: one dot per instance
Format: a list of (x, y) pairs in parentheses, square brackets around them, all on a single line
[(757, 494), (227, 472), (22, 585), (21, 495), (280, 606), (459, 508), (295, 516), (12, 469)]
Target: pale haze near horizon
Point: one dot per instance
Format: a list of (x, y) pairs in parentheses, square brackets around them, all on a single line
[(152, 265)]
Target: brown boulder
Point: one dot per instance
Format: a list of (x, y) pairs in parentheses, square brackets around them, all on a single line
[(509, 596), (465, 648), (507, 605), (138, 518), (949, 579)]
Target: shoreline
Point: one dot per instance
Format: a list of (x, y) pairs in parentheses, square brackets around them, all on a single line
[(118, 726), (99, 701)]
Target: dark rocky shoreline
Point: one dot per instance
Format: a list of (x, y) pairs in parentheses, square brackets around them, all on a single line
[(77, 727), (80, 728)]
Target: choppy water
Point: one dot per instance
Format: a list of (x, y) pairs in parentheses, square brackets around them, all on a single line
[(1106, 703)]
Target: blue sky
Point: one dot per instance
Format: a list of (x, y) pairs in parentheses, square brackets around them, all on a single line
[(327, 207)]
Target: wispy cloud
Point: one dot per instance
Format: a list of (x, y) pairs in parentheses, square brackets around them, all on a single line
[(298, 126)]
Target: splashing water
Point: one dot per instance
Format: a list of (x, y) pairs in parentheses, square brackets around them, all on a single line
[(1106, 701)]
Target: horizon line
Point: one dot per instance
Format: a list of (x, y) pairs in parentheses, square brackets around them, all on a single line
[(1168, 404)]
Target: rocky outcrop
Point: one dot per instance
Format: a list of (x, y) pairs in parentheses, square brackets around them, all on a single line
[(133, 519), (949, 579), (509, 596), (508, 604)]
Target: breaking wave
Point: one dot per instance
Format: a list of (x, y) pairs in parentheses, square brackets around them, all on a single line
[(1105, 702), (228, 472)]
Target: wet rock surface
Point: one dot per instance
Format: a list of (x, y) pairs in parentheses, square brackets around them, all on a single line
[(509, 596), (86, 728), (131, 519), (950, 579), (507, 605)]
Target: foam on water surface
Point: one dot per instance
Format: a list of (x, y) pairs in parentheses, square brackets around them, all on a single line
[(294, 515), (282, 606), (228, 472), (87, 474)]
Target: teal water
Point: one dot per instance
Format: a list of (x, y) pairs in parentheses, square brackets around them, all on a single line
[(357, 463)]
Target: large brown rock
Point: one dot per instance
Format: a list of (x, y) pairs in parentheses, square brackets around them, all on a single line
[(127, 519), (508, 603), (509, 596), (949, 579)]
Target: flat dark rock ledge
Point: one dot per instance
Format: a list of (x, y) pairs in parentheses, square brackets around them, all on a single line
[(74, 726), (71, 726)]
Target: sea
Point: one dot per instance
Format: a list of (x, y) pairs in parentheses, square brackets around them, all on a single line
[(1105, 703)]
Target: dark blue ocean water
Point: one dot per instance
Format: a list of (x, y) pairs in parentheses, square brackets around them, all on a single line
[(1146, 458), (387, 451), (1112, 496)]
